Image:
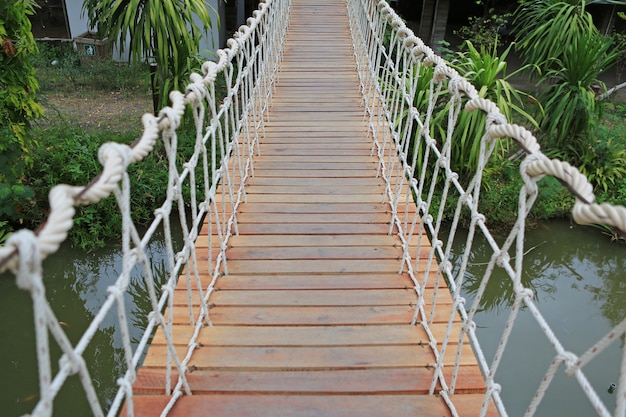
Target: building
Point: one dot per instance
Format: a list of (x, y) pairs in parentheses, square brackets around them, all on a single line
[(64, 21)]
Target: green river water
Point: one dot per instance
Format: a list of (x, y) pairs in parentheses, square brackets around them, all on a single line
[(577, 274)]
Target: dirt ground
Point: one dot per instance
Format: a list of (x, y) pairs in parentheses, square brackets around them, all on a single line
[(121, 111), (115, 111)]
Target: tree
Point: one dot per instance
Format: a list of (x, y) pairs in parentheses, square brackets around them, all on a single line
[(163, 32), (18, 105)]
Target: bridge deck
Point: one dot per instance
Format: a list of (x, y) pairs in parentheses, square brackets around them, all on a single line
[(313, 318)]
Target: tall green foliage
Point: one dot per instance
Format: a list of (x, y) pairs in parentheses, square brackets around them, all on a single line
[(545, 28), (570, 99), (561, 39), (18, 104), (165, 32), (485, 68)]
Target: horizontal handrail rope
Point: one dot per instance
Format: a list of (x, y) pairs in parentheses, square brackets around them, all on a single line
[(387, 69), (252, 54)]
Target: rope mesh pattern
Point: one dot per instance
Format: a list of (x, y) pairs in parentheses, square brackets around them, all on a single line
[(226, 139), (390, 59)]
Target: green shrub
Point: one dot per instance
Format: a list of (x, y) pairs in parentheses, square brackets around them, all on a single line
[(18, 106), (484, 31), (68, 155)]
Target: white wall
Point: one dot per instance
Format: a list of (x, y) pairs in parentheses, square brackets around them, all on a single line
[(78, 24)]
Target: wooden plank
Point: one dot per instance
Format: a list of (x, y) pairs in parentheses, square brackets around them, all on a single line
[(298, 358), (313, 207), (309, 335), (375, 190), (306, 316), (315, 252), (307, 266), (399, 381), (345, 150), (306, 199), (294, 406), (312, 336), (313, 358), (343, 281), (308, 282), (334, 159), (296, 172), (314, 297), (326, 218), (310, 228), (334, 240)]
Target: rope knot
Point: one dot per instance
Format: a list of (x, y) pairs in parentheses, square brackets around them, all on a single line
[(493, 388), (199, 90), (525, 294), (73, 363), (468, 326), (570, 360), (464, 198), (126, 385), (169, 114), (502, 258), (495, 118), (115, 291), (28, 268), (116, 154), (164, 211), (445, 266)]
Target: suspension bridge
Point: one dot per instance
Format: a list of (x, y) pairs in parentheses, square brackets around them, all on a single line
[(314, 277)]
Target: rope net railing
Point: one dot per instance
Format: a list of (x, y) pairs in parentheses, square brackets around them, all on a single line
[(406, 87), (228, 120)]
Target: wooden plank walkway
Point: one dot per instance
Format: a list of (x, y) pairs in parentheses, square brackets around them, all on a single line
[(313, 318)]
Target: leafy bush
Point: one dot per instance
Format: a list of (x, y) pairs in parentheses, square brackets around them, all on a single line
[(68, 155), (18, 105), (500, 197), (485, 31)]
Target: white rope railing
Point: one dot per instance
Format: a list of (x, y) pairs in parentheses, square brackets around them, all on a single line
[(390, 59), (226, 138)]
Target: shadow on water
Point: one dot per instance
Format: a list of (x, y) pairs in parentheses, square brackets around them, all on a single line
[(577, 277), (76, 286)]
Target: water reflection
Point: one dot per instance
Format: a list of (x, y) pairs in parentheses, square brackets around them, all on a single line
[(76, 284), (577, 278)]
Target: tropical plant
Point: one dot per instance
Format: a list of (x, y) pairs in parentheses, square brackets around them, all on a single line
[(544, 29), (485, 68), (18, 105), (571, 102), (164, 32)]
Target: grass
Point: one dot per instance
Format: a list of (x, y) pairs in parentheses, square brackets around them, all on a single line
[(60, 70)]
